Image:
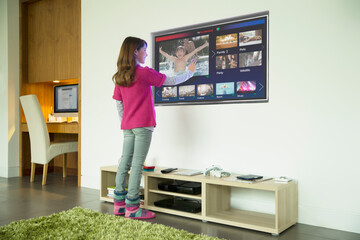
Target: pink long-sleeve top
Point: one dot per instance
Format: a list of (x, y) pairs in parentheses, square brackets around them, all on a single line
[(137, 99)]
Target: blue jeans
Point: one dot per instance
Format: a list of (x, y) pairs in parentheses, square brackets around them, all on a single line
[(135, 148)]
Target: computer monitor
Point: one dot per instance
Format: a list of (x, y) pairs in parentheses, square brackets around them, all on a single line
[(66, 100)]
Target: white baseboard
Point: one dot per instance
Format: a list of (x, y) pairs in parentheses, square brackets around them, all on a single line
[(13, 171), (3, 172), (90, 182), (330, 218), (9, 172)]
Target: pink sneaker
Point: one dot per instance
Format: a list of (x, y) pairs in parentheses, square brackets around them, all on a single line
[(119, 208), (138, 213), (119, 202)]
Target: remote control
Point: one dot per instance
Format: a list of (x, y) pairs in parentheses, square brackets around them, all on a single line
[(168, 170)]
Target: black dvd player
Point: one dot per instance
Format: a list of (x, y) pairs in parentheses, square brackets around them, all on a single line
[(180, 204), (178, 186)]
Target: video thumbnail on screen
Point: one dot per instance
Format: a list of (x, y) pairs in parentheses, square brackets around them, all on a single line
[(169, 92), (250, 37), (245, 86), (176, 55), (187, 91), (225, 88), (226, 41), (226, 61), (205, 89), (250, 59)]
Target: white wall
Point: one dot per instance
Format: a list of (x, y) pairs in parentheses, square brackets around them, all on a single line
[(308, 131), (9, 88), (13, 88), (3, 89)]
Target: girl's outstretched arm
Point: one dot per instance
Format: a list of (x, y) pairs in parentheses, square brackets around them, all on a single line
[(183, 77)]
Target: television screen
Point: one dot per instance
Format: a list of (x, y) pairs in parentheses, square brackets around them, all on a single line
[(66, 100), (231, 61)]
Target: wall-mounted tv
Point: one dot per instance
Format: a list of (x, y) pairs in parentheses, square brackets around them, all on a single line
[(232, 61)]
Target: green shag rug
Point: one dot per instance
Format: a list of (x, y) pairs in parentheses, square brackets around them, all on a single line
[(79, 223)]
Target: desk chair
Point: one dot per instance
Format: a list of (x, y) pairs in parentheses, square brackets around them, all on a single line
[(42, 151)]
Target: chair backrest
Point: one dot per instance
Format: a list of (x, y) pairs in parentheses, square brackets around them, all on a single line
[(39, 135)]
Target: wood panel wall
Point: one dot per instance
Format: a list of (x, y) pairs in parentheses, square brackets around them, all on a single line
[(40, 38), (67, 39), (53, 39), (48, 29)]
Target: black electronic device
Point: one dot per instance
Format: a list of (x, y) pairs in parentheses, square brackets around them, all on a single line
[(193, 188), (66, 102), (180, 204), (168, 170), (249, 177)]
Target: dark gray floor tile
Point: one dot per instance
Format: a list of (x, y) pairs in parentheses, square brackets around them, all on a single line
[(20, 199)]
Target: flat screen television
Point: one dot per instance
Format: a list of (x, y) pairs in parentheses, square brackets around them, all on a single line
[(232, 61), (66, 100)]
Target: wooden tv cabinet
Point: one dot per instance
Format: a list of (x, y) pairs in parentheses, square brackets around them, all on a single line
[(215, 199)]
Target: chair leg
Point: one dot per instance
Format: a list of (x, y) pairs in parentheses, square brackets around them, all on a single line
[(32, 175), (45, 174), (65, 166)]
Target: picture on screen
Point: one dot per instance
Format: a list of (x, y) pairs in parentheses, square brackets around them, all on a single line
[(250, 59), (245, 86), (176, 55), (205, 90), (187, 91), (226, 61), (225, 88), (226, 41), (250, 37), (169, 92), (232, 61)]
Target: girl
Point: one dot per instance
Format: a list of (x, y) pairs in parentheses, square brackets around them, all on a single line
[(137, 115)]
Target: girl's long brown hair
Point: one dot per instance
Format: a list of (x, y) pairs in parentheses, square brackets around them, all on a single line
[(126, 63)]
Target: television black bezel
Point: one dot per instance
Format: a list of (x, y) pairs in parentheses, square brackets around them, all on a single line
[(210, 24)]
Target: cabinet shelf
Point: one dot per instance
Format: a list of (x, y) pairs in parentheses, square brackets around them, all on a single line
[(176, 194), (107, 199), (242, 218), (215, 199), (175, 212)]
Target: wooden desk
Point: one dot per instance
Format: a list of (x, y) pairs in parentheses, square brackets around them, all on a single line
[(58, 132), (56, 127)]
